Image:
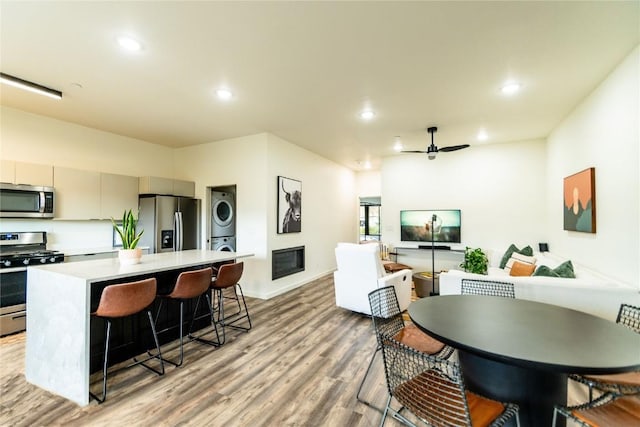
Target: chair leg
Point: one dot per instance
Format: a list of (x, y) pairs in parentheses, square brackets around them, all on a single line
[(180, 328), (386, 410), (231, 320), (104, 365), (366, 374), (217, 342), (151, 356)]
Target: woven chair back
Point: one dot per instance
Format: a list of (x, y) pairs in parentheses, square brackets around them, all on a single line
[(488, 287), (385, 312), (428, 386), (629, 316)]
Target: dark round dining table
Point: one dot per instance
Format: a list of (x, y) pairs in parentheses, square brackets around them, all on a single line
[(521, 351)]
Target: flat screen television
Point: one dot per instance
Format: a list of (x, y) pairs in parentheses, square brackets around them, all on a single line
[(415, 226)]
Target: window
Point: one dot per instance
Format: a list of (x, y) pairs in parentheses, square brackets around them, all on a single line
[(369, 220)]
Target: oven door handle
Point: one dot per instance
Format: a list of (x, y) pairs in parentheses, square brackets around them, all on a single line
[(13, 270)]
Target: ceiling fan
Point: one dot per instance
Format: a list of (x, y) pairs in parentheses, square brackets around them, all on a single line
[(432, 150)]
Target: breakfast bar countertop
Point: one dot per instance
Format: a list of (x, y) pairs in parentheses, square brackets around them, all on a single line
[(110, 268), (58, 313)]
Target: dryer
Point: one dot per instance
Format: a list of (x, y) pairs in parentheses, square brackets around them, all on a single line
[(223, 244), (223, 214)]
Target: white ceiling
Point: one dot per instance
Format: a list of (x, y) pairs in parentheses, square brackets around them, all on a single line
[(304, 70)]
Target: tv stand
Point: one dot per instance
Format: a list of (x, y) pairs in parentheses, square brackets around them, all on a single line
[(440, 247)]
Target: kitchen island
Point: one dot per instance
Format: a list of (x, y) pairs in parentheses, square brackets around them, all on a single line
[(60, 298)]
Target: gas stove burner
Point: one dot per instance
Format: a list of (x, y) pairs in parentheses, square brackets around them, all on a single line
[(26, 248)]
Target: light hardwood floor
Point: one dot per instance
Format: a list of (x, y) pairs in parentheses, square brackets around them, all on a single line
[(300, 365)]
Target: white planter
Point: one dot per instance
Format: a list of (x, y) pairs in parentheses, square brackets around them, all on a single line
[(129, 256)]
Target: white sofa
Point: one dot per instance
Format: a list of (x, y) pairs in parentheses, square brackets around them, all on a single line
[(360, 271), (589, 292)]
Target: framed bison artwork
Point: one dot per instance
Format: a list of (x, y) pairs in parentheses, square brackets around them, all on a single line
[(289, 205)]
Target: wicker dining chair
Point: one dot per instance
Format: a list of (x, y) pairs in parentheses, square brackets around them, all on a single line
[(626, 382), (432, 389), (488, 287), (387, 319), (610, 409)]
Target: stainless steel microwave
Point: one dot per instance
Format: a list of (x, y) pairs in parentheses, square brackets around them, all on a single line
[(26, 201)]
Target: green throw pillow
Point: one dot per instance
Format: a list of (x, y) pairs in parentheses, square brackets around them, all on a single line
[(513, 248), (563, 270)]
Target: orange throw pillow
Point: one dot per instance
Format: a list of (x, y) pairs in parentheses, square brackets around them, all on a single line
[(522, 269)]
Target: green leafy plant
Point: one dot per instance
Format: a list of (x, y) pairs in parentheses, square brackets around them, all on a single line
[(475, 261), (127, 230)]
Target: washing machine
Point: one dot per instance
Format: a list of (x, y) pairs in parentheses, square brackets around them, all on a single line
[(223, 244), (223, 215)]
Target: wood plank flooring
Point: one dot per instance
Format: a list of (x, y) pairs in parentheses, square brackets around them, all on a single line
[(300, 365)]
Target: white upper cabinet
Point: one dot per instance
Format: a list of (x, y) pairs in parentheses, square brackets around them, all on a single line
[(118, 193), (184, 188), (166, 186), (155, 185), (8, 171), (77, 194), (26, 173), (34, 174)]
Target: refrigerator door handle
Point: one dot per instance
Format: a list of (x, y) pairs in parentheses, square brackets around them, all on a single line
[(178, 228)]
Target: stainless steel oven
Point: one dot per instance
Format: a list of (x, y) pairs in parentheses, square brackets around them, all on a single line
[(17, 252), (25, 201)]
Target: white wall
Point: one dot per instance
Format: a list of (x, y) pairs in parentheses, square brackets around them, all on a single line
[(329, 209), (37, 139), (602, 132), (500, 189), (253, 164)]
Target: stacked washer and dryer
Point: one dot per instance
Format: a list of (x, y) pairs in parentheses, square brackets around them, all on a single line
[(223, 221)]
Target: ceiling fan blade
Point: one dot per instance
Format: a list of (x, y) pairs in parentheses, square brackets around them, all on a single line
[(413, 151), (453, 148)]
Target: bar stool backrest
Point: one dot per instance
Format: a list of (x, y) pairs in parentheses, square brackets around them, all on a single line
[(127, 298), (229, 275), (191, 284)]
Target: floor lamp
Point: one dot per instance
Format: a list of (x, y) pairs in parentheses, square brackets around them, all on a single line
[(433, 256)]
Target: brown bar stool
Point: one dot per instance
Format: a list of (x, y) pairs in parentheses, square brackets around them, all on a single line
[(124, 300), (228, 278), (190, 284)]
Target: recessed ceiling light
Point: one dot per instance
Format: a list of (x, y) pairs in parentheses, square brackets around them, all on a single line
[(482, 136), (130, 44), (367, 115), (510, 88), (397, 146), (224, 94), (367, 164)]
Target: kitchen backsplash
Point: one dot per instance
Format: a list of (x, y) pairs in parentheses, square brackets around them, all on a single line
[(65, 235)]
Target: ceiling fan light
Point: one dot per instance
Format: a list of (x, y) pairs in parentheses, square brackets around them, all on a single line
[(431, 155)]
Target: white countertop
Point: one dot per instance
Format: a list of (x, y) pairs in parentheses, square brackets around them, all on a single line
[(108, 269), (91, 251)]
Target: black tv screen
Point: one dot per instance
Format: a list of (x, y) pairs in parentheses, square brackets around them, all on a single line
[(415, 226)]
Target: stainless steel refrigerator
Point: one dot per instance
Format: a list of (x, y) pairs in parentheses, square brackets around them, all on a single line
[(170, 223)]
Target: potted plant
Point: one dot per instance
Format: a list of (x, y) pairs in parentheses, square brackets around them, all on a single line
[(475, 261), (130, 237)]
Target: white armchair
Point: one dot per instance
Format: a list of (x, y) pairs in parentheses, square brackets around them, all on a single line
[(360, 271)]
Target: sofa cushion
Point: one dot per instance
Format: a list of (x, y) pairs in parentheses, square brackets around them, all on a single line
[(523, 259), (513, 248), (563, 270), (521, 269)]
